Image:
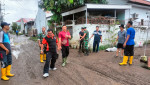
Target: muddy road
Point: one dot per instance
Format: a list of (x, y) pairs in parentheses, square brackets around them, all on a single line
[(97, 69)]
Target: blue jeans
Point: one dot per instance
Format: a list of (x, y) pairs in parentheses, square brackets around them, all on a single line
[(7, 59), (96, 45)]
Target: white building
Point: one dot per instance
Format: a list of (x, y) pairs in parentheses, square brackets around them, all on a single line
[(41, 20), (92, 15)]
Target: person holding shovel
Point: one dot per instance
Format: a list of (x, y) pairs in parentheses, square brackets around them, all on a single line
[(129, 45)]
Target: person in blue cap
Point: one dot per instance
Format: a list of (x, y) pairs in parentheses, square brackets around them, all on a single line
[(5, 50)]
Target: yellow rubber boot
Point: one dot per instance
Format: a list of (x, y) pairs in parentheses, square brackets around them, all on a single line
[(44, 57), (8, 69), (41, 58), (131, 59), (125, 59), (3, 71)]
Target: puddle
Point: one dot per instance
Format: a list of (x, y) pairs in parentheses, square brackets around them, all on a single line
[(16, 53), (16, 44)]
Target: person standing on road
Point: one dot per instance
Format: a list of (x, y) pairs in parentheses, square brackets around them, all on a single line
[(81, 47), (121, 39), (40, 39), (51, 52), (64, 37), (129, 44), (97, 39), (86, 40), (17, 32), (5, 50)]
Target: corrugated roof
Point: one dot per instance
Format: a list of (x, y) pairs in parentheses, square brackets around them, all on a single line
[(25, 20), (146, 2)]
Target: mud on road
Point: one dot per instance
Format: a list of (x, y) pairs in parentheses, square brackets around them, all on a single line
[(97, 69)]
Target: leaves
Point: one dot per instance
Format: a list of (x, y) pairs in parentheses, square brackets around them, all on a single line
[(58, 6), (15, 27)]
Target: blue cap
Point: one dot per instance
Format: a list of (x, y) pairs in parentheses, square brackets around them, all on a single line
[(4, 24)]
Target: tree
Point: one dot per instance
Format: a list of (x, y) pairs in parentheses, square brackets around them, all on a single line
[(15, 27), (112, 34), (58, 6)]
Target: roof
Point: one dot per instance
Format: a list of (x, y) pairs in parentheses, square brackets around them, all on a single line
[(96, 6), (145, 2), (107, 6), (25, 20)]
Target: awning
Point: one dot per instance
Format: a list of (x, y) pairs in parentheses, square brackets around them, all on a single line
[(96, 6)]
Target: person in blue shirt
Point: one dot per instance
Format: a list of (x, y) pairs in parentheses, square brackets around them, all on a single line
[(129, 45), (5, 50), (17, 32), (97, 39)]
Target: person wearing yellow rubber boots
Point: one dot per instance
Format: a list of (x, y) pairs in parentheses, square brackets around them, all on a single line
[(40, 39), (129, 45), (5, 50)]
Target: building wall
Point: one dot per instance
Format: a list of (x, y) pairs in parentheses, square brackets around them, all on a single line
[(140, 10), (91, 28), (40, 20), (140, 35)]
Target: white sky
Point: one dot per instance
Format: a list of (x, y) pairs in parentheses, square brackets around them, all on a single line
[(16, 9)]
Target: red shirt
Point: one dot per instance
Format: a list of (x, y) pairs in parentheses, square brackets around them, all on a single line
[(64, 40), (45, 42)]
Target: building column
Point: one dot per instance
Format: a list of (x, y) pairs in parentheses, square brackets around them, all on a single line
[(115, 14), (86, 17), (62, 21)]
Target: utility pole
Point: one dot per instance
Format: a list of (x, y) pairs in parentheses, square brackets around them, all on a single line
[(0, 13)]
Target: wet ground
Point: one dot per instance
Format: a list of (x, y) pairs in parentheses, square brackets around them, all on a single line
[(97, 69)]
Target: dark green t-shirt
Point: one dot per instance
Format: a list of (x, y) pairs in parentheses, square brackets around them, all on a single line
[(87, 35), (41, 36)]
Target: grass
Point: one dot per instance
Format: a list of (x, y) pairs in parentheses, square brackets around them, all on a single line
[(34, 38), (20, 34), (148, 42), (104, 47)]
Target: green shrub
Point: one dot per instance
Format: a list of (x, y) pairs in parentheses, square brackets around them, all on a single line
[(12, 32), (104, 47), (20, 34), (34, 38), (148, 42)]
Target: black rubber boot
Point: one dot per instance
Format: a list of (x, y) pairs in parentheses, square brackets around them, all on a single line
[(86, 53)]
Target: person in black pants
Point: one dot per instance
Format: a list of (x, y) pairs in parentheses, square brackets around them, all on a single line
[(97, 39), (64, 37), (52, 43), (81, 47)]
